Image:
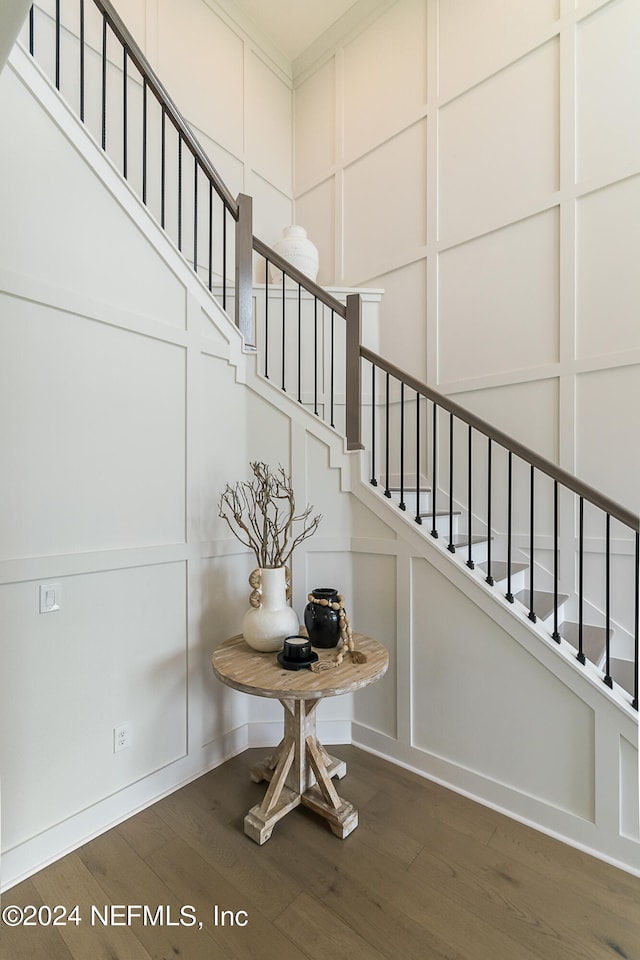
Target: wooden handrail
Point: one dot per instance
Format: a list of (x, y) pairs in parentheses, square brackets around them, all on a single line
[(541, 463), (159, 91)]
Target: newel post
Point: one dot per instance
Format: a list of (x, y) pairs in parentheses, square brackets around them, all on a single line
[(352, 392), (244, 268)]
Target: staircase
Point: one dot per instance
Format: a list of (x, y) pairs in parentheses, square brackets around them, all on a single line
[(553, 611), (514, 521)]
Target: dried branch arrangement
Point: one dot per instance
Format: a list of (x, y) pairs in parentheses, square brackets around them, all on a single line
[(261, 513)]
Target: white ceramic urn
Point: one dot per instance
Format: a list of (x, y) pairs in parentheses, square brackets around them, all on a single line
[(301, 252), (265, 627)]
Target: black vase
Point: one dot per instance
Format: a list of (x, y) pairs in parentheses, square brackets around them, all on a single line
[(322, 622)]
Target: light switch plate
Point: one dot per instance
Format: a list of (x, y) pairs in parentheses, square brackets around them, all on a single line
[(49, 597)]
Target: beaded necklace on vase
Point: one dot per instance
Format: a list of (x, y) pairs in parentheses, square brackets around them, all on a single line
[(346, 642)]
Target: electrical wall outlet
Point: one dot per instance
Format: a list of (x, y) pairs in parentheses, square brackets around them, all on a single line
[(121, 737)]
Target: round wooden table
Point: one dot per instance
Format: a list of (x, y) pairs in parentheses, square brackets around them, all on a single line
[(300, 771)]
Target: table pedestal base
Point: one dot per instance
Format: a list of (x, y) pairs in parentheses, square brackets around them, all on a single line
[(300, 771)]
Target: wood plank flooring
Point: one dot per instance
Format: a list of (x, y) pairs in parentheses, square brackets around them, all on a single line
[(427, 874)]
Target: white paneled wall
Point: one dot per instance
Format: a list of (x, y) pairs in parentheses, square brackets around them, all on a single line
[(140, 367), (499, 290), (498, 147), (124, 411), (608, 91), (485, 172)]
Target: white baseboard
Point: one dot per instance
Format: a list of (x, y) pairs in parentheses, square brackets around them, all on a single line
[(38, 852), (27, 858), (623, 853)]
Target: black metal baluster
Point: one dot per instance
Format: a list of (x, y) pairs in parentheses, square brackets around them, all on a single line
[(450, 546), (556, 572), (332, 368), (224, 256), (532, 615), (581, 657), (299, 343), (124, 111), (387, 491), (434, 479), (607, 638), (57, 44), (195, 214), (470, 562), (144, 141), (418, 518), (266, 319), (163, 166), (315, 355), (104, 82), (283, 330), (509, 594), (373, 481), (489, 577), (210, 235), (31, 28), (81, 60), (637, 623), (179, 192), (402, 504)]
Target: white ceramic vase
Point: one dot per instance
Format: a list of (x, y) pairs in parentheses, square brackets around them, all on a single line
[(265, 627), (296, 247)]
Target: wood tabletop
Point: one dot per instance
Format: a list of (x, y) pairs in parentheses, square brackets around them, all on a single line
[(241, 667)]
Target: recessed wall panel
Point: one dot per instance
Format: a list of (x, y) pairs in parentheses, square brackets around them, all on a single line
[(508, 408), (607, 275), (608, 453), (211, 90), (630, 806), (476, 39), (133, 13), (230, 168), (315, 211), (115, 652), (461, 656), (269, 124), (66, 229), (384, 220), (403, 312), (498, 147), (224, 454), (499, 301), (225, 593), (608, 90), (385, 71), (93, 422), (372, 613), (272, 210), (315, 126)]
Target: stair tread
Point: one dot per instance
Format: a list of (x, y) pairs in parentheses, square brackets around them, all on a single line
[(462, 539), (622, 672), (440, 513), (543, 601), (593, 638), (499, 568), (408, 488)]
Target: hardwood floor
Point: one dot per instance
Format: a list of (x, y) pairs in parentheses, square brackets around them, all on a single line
[(427, 874)]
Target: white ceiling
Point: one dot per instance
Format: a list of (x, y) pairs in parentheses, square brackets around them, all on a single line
[(292, 25)]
